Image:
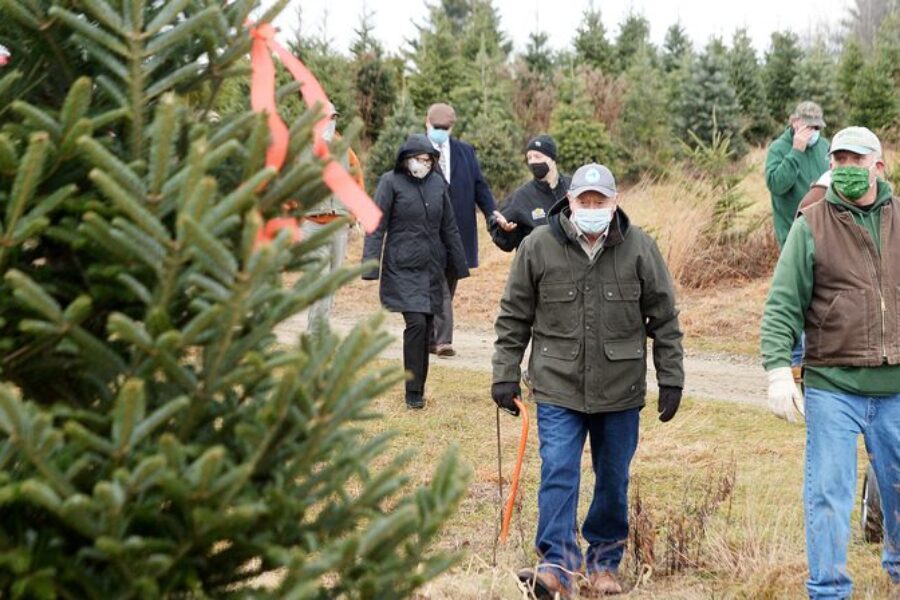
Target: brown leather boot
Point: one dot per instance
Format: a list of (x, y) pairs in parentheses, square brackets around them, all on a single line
[(543, 585), (601, 583)]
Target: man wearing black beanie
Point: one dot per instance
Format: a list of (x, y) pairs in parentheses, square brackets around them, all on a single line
[(527, 207)]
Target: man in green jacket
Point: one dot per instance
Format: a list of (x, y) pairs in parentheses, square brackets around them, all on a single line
[(838, 279), (794, 162), (587, 290)]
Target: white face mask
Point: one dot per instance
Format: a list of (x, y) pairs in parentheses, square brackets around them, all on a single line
[(417, 168), (328, 132), (592, 221)]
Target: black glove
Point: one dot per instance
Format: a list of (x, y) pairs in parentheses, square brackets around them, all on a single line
[(669, 399), (504, 394)]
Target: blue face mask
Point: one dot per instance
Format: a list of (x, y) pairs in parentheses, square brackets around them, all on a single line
[(592, 221), (813, 139), (438, 136)]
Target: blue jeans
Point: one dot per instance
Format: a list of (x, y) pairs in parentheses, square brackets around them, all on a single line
[(834, 421), (797, 351), (562, 434)]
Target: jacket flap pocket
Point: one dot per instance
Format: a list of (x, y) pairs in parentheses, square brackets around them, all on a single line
[(561, 349), (622, 292), (558, 292), (624, 349)]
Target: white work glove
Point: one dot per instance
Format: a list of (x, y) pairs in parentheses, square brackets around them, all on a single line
[(785, 399)]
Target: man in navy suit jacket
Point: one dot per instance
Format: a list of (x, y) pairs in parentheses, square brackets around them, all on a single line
[(468, 190)]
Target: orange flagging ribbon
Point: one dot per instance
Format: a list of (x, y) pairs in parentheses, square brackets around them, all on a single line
[(262, 98)]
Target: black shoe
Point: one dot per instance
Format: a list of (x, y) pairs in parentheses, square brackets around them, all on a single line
[(414, 400)]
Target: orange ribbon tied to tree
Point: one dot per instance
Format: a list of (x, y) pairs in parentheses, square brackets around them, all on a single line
[(262, 98)]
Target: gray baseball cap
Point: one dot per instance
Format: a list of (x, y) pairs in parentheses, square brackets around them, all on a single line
[(810, 113), (859, 140), (593, 177)]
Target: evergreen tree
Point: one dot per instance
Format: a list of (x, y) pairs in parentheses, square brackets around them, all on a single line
[(874, 99), (745, 75), (817, 80), (375, 81), (481, 32), (437, 66), (537, 55), (579, 137), (851, 65), (491, 128), (782, 62), (634, 34), (887, 44), (591, 46), (675, 47), (155, 439), (709, 102), (329, 66), (383, 153), (646, 119)]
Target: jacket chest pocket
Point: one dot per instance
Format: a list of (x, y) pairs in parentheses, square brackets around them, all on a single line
[(558, 310), (622, 307)]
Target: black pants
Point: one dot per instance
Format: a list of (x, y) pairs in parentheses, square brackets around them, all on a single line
[(415, 348)]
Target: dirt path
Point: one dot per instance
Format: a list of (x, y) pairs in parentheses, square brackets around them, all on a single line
[(727, 378)]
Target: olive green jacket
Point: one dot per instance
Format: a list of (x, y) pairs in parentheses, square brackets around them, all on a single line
[(588, 321)]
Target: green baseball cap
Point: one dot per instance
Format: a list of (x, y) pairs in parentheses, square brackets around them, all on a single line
[(859, 140)]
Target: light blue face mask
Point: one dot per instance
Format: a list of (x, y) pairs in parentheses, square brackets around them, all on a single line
[(592, 221), (438, 136), (813, 139)]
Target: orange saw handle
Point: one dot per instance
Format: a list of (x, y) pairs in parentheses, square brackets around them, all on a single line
[(517, 472)]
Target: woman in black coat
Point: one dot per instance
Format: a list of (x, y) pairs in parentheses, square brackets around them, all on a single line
[(417, 245)]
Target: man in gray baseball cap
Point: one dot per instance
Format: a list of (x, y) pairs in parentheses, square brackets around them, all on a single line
[(586, 290), (837, 280)]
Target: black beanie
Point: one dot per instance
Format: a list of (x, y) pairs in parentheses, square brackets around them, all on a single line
[(544, 144)]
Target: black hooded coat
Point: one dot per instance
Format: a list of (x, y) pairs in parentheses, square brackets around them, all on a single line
[(417, 242)]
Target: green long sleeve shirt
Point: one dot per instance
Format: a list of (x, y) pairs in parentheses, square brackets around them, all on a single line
[(789, 173), (789, 298)]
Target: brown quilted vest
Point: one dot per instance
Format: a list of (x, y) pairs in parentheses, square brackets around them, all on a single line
[(852, 320)]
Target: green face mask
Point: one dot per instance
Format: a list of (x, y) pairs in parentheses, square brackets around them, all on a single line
[(850, 182)]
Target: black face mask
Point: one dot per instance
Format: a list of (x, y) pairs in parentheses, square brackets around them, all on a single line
[(539, 170)]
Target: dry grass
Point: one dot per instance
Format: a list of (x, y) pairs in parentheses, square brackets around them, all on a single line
[(735, 471)]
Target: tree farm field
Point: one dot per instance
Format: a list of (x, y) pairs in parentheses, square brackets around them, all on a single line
[(716, 494)]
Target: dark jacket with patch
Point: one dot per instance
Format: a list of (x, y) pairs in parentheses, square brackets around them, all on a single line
[(417, 242), (528, 207), (588, 321)]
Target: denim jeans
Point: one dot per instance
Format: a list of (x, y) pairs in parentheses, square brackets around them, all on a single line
[(834, 421), (797, 351), (562, 433)]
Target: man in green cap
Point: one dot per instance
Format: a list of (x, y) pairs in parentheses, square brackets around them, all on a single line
[(794, 162), (838, 280)]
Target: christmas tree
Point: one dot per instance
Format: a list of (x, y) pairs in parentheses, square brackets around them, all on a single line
[(155, 439)]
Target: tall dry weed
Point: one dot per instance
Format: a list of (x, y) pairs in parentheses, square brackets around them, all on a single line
[(699, 251)]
